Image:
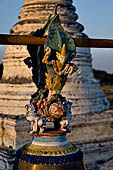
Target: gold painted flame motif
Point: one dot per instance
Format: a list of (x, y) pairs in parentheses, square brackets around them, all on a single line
[(63, 51), (57, 70)]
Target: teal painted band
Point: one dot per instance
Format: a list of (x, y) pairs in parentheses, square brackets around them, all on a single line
[(49, 139)]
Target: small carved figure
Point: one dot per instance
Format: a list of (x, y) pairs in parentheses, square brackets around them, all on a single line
[(37, 123)]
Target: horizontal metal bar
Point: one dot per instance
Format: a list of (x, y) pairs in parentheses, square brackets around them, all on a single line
[(21, 40), (93, 43), (6, 39)]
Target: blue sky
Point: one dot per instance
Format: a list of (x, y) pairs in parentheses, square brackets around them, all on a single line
[(95, 15), (97, 18)]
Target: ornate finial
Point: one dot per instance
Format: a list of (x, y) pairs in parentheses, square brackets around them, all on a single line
[(48, 105)]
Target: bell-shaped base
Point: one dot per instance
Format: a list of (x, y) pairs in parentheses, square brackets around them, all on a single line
[(78, 165), (49, 151)]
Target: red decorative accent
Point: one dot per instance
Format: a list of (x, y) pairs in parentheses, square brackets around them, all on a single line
[(40, 102), (57, 133)]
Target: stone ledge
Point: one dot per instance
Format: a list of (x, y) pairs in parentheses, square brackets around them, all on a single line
[(97, 153), (82, 119), (7, 158), (108, 165), (12, 132), (92, 127)]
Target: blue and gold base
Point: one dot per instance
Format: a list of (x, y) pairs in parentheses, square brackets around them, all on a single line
[(49, 151)]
